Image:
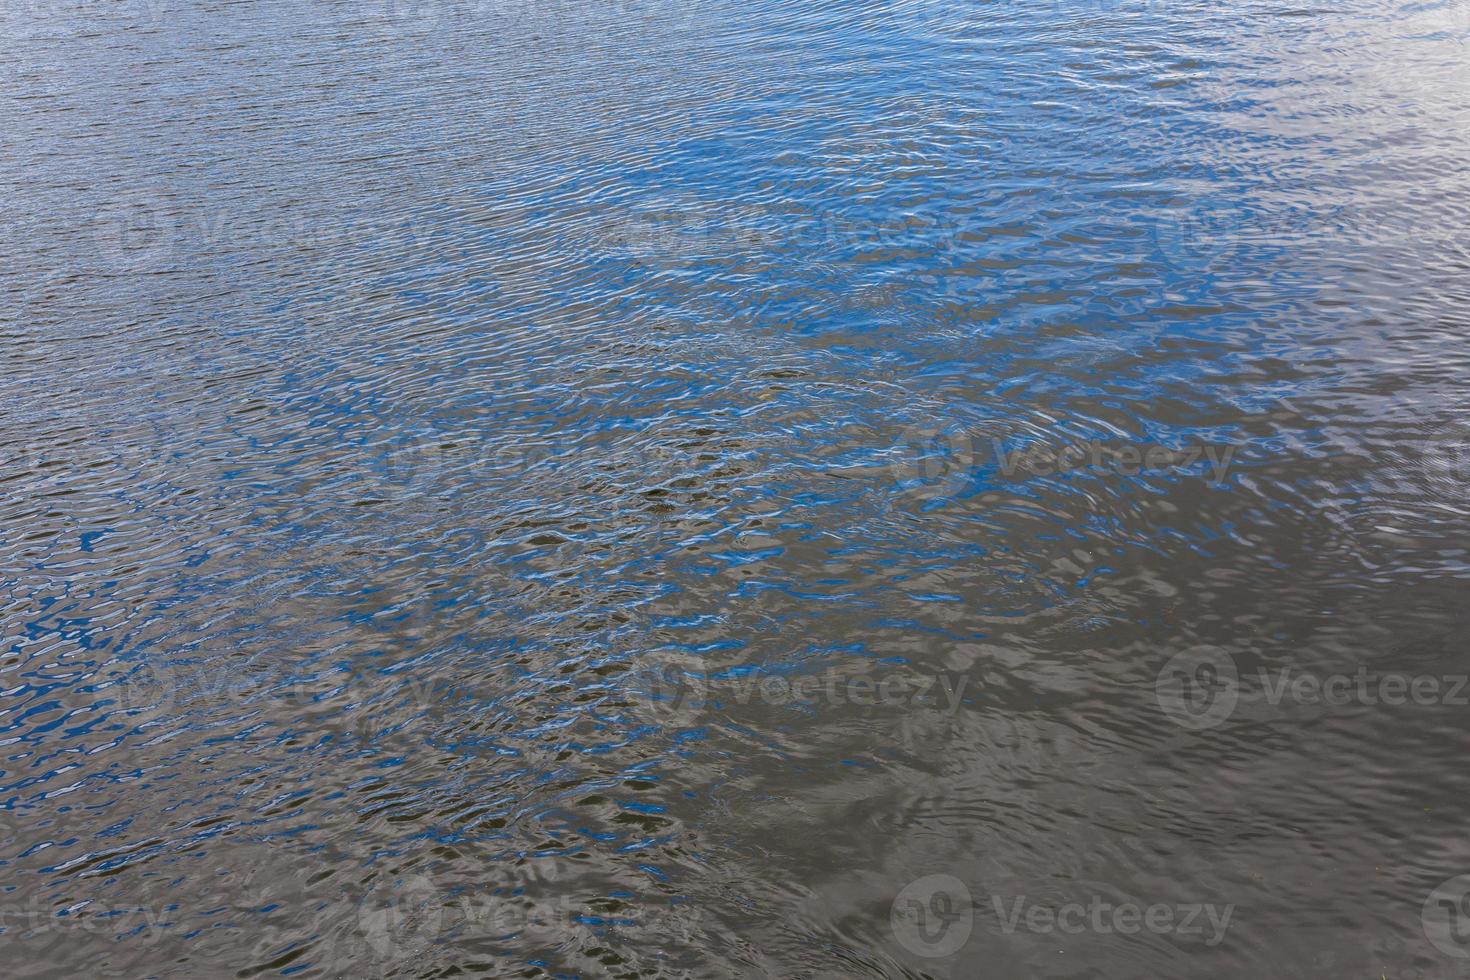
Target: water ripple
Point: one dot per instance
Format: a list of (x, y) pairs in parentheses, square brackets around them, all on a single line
[(692, 489)]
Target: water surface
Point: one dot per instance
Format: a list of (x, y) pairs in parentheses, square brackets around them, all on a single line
[(640, 489)]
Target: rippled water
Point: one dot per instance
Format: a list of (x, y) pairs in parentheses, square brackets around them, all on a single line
[(777, 489)]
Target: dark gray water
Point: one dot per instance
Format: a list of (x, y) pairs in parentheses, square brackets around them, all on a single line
[(778, 489)]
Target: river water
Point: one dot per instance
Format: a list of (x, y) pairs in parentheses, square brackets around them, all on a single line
[(765, 489)]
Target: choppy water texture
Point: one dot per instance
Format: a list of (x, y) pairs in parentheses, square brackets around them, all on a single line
[(763, 489)]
